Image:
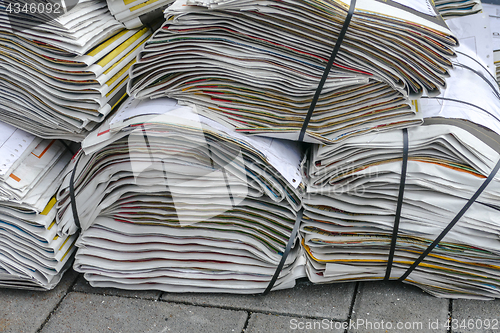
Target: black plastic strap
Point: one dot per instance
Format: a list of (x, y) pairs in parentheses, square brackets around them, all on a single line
[(493, 86), (72, 194), (287, 251), (402, 182), (477, 62), (453, 222), (68, 147), (465, 103), (328, 67)]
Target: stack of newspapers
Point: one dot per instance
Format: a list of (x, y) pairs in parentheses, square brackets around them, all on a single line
[(32, 255), (352, 199), (256, 65), (61, 75), (196, 182), (168, 199), (136, 13), (457, 8)]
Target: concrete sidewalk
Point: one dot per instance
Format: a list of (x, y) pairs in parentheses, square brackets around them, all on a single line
[(74, 306)]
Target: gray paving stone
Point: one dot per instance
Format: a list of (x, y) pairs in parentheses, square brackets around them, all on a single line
[(84, 286), (396, 303), (264, 323), (26, 311), (482, 316), (80, 312), (330, 301)]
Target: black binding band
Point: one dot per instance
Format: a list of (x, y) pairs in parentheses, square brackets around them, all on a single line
[(465, 103), (68, 147), (493, 86), (298, 219), (402, 182), (328, 67), (452, 223), (72, 194), (479, 63)]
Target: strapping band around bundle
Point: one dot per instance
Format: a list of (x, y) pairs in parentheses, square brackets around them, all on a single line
[(328, 67), (453, 222), (72, 194), (68, 147), (465, 103), (402, 182), (291, 240), (310, 111)]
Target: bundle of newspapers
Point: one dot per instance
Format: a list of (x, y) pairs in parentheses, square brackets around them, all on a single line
[(256, 65), (168, 199), (136, 13), (354, 188), (60, 75), (32, 255), (457, 8)]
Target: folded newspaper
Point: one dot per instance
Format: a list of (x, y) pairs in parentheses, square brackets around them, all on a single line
[(168, 199), (257, 64), (457, 8), (32, 255), (136, 13), (351, 205), (61, 77)]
